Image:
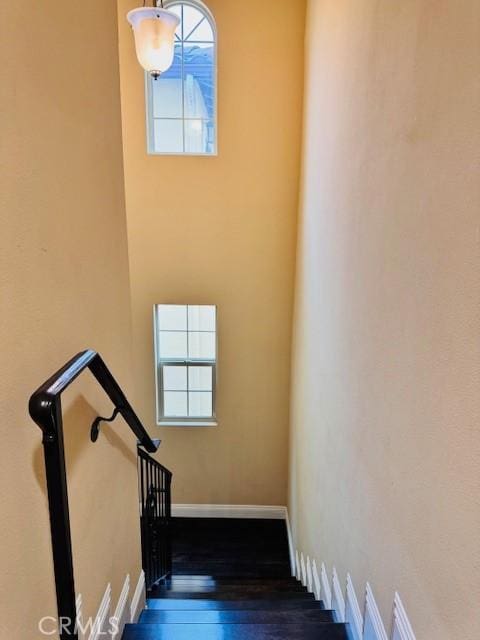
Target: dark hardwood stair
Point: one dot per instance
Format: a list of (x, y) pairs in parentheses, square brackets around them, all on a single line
[(236, 632), (236, 593), (209, 581), (221, 605), (252, 586), (245, 616), (232, 581)]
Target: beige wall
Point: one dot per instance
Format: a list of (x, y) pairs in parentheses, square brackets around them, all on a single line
[(64, 287), (222, 231), (385, 475)]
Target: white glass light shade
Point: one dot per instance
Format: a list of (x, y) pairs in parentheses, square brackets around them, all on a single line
[(154, 31)]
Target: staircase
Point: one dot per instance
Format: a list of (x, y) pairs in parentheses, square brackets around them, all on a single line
[(232, 581), (207, 579)]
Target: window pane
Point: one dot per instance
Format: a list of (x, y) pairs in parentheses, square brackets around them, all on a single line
[(199, 137), (200, 378), (199, 54), (201, 318), (175, 70), (200, 405), (166, 91), (203, 32), (175, 378), (201, 345), (191, 18), (199, 89), (173, 345), (168, 136), (175, 404), (195, 95), (172, 317), (177, 10)]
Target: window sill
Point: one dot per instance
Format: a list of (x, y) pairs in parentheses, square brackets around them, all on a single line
[(171, 423)]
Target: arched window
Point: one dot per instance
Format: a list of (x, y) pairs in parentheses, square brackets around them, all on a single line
[(182, 103)]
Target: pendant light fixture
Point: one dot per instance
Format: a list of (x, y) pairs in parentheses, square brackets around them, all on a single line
[(154, 29)]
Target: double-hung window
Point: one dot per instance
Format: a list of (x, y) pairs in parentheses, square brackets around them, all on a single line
[(185, 362)]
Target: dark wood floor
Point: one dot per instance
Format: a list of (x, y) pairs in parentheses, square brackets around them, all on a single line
[(232, 581), (229, 547)]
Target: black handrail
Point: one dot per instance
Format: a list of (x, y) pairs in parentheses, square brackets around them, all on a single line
[(42, 401), (46, 410)]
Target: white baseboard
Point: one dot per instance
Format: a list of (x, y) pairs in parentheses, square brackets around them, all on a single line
[(353, 615), (374, 628), (122, 611), (265, 512), (309, 576), (326, 591), (105, 624), (303, 571), (338, 601), (138, 599), (79, 610), (346, 608), (298, 571), (291, 548), (316, 581), (101, 625), (402, 629)]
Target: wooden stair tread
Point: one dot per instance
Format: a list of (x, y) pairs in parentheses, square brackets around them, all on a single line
[(172, 604), (234, 569), (208, 579), (275, 584), (231, 593), (212, 587), (256, 616), (305, 631)]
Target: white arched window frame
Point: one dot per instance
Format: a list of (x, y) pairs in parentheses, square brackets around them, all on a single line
[(182, 103)]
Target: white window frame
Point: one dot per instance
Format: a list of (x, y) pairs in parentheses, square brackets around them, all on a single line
[(159, 363), (197, 4)]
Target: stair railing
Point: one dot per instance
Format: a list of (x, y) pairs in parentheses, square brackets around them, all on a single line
[(46, 410), (155, 519)]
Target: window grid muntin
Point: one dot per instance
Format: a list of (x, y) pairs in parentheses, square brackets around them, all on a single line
[(151, 119), (161, 390), (183, 362)]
